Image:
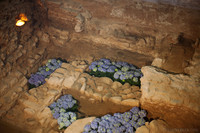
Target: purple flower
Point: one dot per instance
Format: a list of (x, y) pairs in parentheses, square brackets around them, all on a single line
[(122, 77), (136, 74), (93, 131), (101, 69), (142, 113), (135, 117), (87, 128), (53, 105), (135, 110), (111, 69), (94, 125), (135, 79), (94, 63), (64, 105), (56, 115), (130, 130), (101, 129), (105, 66), (116, 76), (91, 67)]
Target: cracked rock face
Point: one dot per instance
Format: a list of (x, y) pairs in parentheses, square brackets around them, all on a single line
[(171, 97)]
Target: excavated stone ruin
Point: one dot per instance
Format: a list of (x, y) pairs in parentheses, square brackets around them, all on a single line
[(159, 36)]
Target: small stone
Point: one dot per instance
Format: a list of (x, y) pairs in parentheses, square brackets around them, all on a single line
[(106, 80), (77, 86), (157, 62), (142, 129), (14, 96), (53, 92), (56, 74), (82, 90), (29, 112), (23, 81), (127, 91), (106, 97), (100, 88), (13, 82), (78, 125), (45, 113), (37, 56), (131, 96), (116, 85), (69, 81), (55, 81), (31, 61), (92, 100), (97, 96), (116, 99), (130, 102)]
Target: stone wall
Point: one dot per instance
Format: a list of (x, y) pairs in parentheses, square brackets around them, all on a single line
[(20, 54), (153, 29), (171, 97)]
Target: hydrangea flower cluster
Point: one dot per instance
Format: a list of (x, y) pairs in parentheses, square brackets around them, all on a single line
[(38, 78), (63, 110), (118, 71), (126, 122)]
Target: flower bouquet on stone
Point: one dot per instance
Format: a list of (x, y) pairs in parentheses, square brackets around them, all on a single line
[(117, 71), (38, 78), (126, 122), (64, 110)]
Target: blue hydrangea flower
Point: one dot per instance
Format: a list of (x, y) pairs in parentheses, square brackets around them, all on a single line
[(53, 105), (116, 76), (111, 69), (135, 79), (91, 67), (125, 68), (94, 125), (87, 128), (135, 110), (135, 117), (142, 113), (122, 77), (94, 63), (56, 115), (101, 129), (137, 74), (101, 69), (100, 63)]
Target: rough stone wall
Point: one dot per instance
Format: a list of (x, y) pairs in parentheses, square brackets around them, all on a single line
[(171, 97), (159, 30), (20, 54)]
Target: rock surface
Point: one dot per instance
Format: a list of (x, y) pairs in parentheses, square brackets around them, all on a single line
[(178, 94), (78, 125)]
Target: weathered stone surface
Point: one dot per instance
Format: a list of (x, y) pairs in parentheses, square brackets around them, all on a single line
[(171, 91), (78, 126), (69, 81), (157, 62), (56, 81), (106, 80), (106, 97), (116, 99), (29, 112), (97, 96), (142, 129), (130, 102), (116, 85)]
